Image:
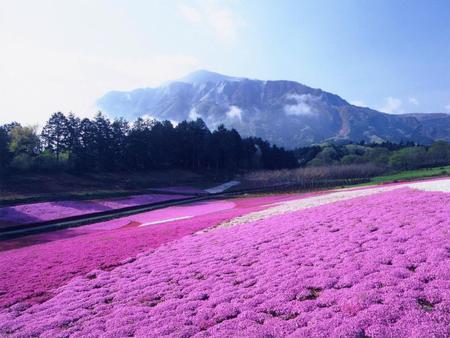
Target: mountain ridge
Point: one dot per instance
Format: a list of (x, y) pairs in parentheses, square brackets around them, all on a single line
[(286, 113)]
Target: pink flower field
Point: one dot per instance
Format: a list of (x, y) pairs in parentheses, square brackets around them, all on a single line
[(373, 266), (44, 262), (46, 211)]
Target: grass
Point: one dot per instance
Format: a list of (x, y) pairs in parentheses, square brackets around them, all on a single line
[(406, 175), (36, 187), (412, 174)]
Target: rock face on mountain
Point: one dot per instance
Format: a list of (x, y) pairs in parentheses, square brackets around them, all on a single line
[(286, 113)]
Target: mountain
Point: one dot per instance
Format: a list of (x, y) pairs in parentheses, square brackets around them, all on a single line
[(204, 76), (435, 125), (286, 113)]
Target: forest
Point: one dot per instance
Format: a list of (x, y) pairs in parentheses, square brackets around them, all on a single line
[(68, 143)]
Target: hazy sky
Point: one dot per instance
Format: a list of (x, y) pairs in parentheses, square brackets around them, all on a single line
[(62, 55)]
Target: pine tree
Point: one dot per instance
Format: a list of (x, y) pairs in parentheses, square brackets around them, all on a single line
[(5, 154), (56, 134)]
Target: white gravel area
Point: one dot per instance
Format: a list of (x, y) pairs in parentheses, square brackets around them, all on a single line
[(303, 203)]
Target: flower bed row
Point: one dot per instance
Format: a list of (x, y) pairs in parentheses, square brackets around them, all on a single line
[(46, 211)]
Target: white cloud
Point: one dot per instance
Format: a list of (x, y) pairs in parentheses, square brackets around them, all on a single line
[(155, 118), (358, 103), (447, 107), (193, 115), (223, 21), (413, 101), (49, 62), (148, 117), (38, 81), (303, 104), (215, 16), (190, 13), (234, 112), (392, 106)]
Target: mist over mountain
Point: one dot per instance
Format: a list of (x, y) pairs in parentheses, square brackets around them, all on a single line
[(285, 113)]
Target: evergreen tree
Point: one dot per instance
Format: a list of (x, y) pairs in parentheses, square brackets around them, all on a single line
[(5, 154), (84, 148), (103, 142), (119, 133), (55, 134)]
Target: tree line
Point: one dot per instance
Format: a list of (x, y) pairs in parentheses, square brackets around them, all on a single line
[(319, 163), (386, 155), (69, 143)]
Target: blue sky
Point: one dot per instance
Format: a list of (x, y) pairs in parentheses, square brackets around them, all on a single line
[(390, 55)]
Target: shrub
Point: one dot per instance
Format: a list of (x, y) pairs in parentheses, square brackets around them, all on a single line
[(311, 174), (22, 162), (408, 158), (352, 159)]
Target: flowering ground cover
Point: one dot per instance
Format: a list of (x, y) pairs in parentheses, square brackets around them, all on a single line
[(372, 266), (46, 211), (44, 262), (240, 207)]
